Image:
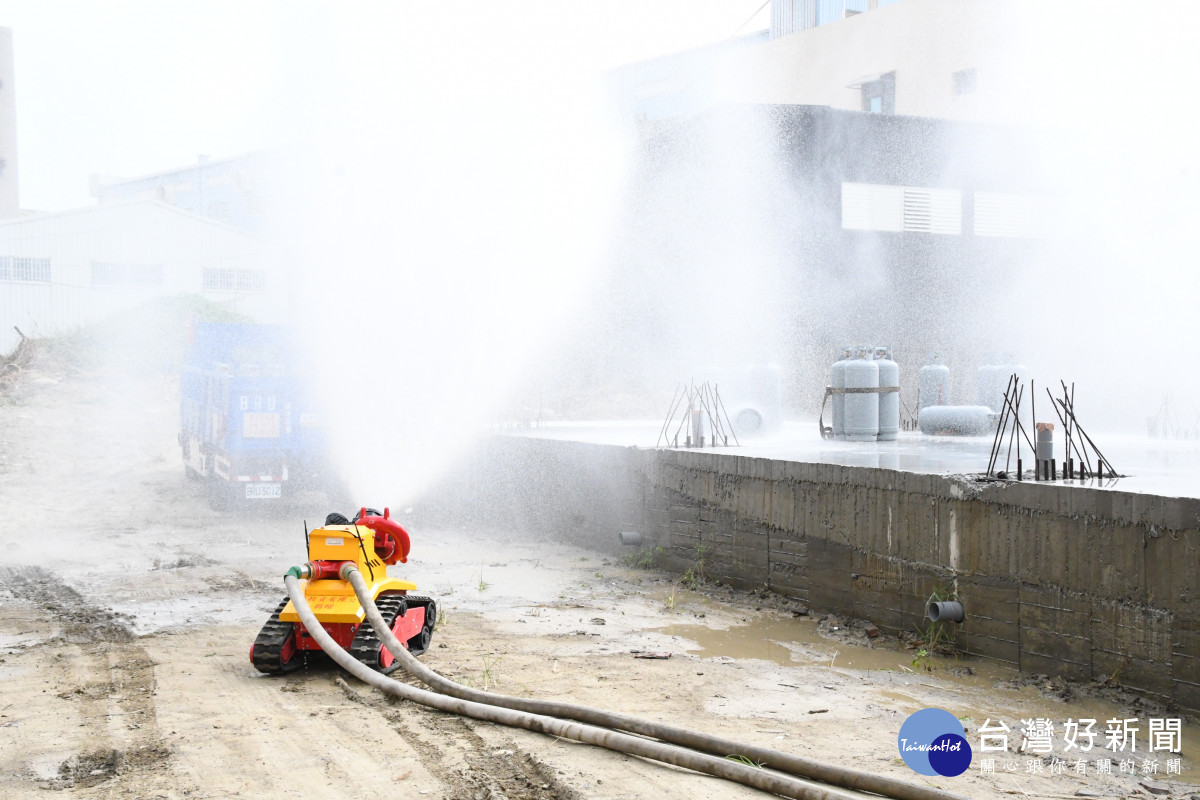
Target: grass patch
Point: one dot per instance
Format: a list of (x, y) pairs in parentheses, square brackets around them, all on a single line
[(934, 638), (643, 558), (695, 575), (147, 339)]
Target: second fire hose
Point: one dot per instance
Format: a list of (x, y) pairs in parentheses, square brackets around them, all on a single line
[(788, 763), (766, 780)]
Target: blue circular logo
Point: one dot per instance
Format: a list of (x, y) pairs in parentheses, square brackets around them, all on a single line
[(932, 742)]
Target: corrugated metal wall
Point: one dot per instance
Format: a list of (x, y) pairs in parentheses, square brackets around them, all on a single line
[(789, 16), (140, 234)]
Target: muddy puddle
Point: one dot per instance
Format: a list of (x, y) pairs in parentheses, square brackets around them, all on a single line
[(796, 642), (974, 689)]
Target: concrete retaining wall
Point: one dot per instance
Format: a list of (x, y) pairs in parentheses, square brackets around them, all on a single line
[(1071, 581)]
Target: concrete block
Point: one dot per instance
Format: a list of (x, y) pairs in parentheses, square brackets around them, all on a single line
[(1150, 677), (920, 542), (1182, 514), (782, 502), (1185, 576), (1159, 554), (1127, 632), (1117, 573), (1186, 695), (1147, 509), (808, 528), (998, 649), (829, 568), (793, 471), (739, 573), (917, 584), (742, 467), (1041, 654), (877, 600), (1185, 655), (1055, 627), (791, 584)]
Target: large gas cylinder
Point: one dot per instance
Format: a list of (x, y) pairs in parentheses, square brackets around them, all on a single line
[(862, 408), (753, 396), (992, 379), (889, 402), (934, 383), (957, 420), (838, 382)]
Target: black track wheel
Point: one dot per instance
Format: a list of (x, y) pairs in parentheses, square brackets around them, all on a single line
[(420, 643), (366, 646), (274, 640), (222, 495)]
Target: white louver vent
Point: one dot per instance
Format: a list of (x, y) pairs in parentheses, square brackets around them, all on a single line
[(912, 209)]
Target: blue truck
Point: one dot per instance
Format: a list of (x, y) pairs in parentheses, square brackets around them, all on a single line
[(249, 424)]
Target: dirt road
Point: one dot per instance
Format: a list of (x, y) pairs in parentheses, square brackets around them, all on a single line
[(127, 609)]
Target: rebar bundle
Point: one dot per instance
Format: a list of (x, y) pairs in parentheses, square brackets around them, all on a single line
[(695, 409)]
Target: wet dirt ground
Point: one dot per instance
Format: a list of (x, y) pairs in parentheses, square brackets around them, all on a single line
[(127, 609)]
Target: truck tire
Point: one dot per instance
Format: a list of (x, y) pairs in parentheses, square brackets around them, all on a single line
[(221, 496)]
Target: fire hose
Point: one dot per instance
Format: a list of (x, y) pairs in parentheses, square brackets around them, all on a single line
[(677, 746)]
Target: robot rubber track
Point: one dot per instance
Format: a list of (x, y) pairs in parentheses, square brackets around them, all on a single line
[(271, 642), (267, 652)]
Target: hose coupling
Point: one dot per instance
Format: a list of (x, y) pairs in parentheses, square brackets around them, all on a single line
[(318, 570)]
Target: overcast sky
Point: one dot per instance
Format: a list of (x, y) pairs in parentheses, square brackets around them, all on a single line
[(129, 87)]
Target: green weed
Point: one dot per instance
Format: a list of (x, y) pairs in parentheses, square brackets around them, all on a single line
[(935, 638), (487, 677), (642, 558), (695, 575), (671, 600)]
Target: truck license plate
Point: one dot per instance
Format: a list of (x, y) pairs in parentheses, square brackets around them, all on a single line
[(263, 491)]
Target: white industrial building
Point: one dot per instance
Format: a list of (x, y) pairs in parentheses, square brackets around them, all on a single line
[(62, 270), (9, 198), (990, 61)]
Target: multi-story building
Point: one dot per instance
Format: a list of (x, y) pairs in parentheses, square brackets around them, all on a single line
[(228, 190), (849, 174), (946, 59), (9, 198), (62, 270)]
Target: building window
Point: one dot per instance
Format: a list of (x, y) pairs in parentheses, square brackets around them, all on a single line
[(234, 280), (106, 273), (879, 96), (18, 268), (965, 81)]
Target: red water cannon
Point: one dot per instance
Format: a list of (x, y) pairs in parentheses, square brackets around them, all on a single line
[(391, 540)]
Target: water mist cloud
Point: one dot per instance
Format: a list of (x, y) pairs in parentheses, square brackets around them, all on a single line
[(1113, 303), (446, 210)]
